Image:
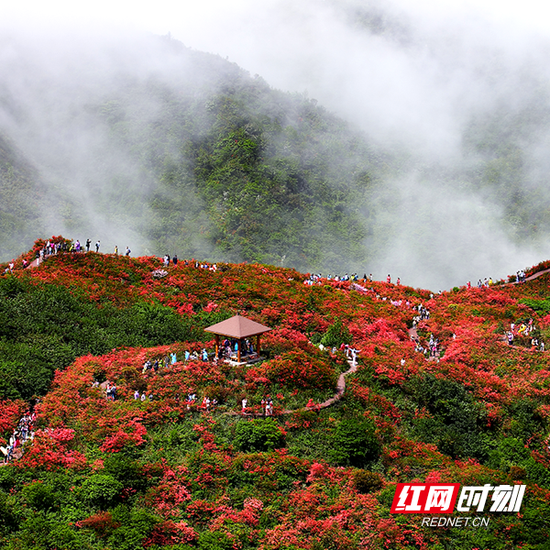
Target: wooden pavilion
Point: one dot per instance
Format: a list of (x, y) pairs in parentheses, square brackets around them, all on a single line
[(238, 328)]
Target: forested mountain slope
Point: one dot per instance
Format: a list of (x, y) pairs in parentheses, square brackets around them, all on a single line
[(22, 198), (169, 149)]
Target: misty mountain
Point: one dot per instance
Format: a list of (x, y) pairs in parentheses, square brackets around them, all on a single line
[(140, 141), (22, 198), (170, 150)]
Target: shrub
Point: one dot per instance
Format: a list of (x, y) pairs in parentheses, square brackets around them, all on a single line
[(354, 442), (259, 435), (135, 526), (366, 482), (458, 421), (517, 473), (9, 518), (336, 335), (526, 418), (315, 338), (537, 473), (510, 452), (215, 541), (297, 369), (100, 490), (126, 471), (101, 523), (42, 531), (40, 496)]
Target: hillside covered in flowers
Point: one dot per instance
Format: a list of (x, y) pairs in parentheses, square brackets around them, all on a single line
[(141, 440)]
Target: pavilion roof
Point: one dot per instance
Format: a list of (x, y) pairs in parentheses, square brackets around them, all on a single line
[(237, 327)]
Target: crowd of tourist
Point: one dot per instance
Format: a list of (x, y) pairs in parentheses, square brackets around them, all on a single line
[(430, 349), (170, 359), (21, 434), (266, 406), (525, 330), (316, 278), (52, 248), (229, 349), (423, 315), (488, 281), (192, 402)]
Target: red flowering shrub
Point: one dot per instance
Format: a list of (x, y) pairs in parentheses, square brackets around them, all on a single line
[(122, 439), (101, 523), (61, 435), (297, 369), (171, 493), (284, 339), (169, 533), (381, 328), (10, 412), (49, 453)]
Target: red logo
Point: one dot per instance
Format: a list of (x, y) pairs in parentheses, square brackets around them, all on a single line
[(419, 498)]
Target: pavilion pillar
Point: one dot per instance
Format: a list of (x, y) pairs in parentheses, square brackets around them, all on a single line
[(217, 345), (258, 345), (239, 350)]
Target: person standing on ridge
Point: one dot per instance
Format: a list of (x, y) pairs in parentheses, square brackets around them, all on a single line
[(388, 279), (116, 249), (128, 251), (88, 243), (97, 245)]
